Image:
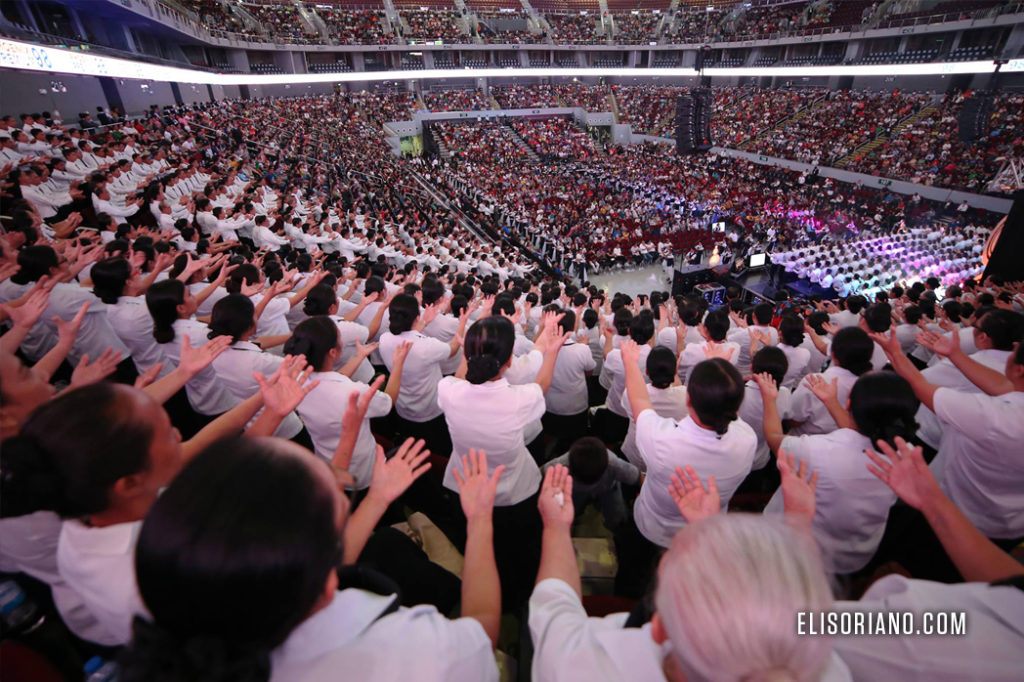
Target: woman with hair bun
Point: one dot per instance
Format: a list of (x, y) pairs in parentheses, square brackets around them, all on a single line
[(711, 438), (852, 504), (482, 407), (417, 405)]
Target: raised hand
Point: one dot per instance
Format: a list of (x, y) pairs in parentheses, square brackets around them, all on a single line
[(358, 406), (825, 391), (149, 376), (286, 388), (888, 342), (251, 289), (392, 477), (194, 360), (366, 351), (904, 470), (694, 501), (401, 352), (630, 352), (29, 312), (86, 373), (718, 350), (555, 500), (68, 330), (940, 344), (476, 489), (797, 487), (769, 391)]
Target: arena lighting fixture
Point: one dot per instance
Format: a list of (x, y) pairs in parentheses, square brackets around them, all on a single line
[(29, 57)]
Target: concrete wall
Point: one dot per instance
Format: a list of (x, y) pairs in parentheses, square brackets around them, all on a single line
[(20, 92)]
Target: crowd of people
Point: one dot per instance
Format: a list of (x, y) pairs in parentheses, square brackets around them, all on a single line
[(242, 343), (636, 27), (282, 22), (430, 25), (839, 124), (555, 138), (456, 100), (479, 141), (525, 96), (360, 26), (573, 29)]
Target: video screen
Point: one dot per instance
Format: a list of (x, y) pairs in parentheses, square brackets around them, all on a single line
[(718, 227), (758, 260)]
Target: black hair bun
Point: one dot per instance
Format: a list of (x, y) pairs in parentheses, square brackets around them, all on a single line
[(27, 483), (481, 368)]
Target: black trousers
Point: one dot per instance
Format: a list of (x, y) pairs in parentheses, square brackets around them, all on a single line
[(433, 432), (638, 561), (566, 429)]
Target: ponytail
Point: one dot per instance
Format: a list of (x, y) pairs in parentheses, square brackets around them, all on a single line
[(488, 347), (313, 338), (883, 406), (481, 368), (232, 316), (163, 299)]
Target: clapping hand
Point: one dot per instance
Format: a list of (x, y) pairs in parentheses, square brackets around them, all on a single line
[(194, 360), (476, 489), (694, 501)]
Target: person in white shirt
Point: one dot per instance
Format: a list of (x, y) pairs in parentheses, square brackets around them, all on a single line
[(417, 404), (759, 319), (714, 330), (667, 396), (852, 506), (318, 340), (711, 439), (991, 602), (850, 352), (772, 361), (709, 601), (308, 625), (234, 316), (641, 331), (791, 340), (480, 405), (567, 416), (62, 461), (977, 464)]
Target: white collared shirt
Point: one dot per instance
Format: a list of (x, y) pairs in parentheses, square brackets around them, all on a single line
[(567, 394), (666, 444), (944, 373), (99, 565), (989, 651), (321, 411), (812, 414), (132, 322), (851, 504), (667, 402), (443, 328), (741, 336), (694, 354), (569, 646), (206, 394), (235, 367), (979, 464), (617, 373), (417, 394), (493, 416), (351, 639), (350, 333), (752, 412)]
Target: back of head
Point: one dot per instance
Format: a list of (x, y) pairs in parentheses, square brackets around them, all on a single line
[(852, 349), (878, 317), (61, 460), (883, 406), (717, 325), (791, 330), (232, 316), (109, 277), (912, 314), (246, 273), (729, 590), (488, 347), (661, 367), (211, 545), (1003, 327), (856, 303), (763, 313), (34, 262), (567, 324), (715, 390), (162, 301), (621, 320), (772, 360), (319, 300), (817, 320), (641, 328), (313, 338), (588, 460), (590, 318), (403, 311)]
